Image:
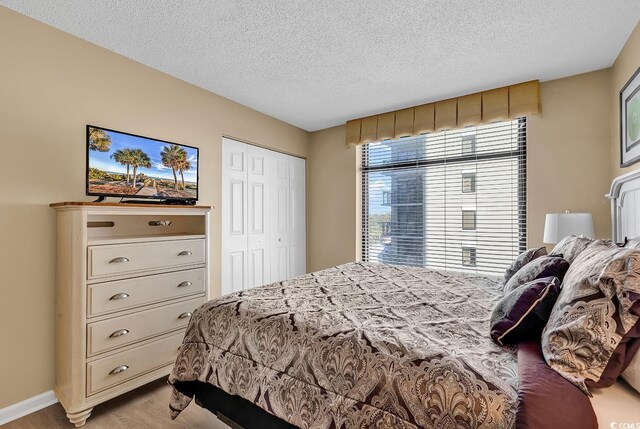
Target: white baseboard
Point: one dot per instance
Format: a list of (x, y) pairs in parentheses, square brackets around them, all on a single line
[(28, 406)]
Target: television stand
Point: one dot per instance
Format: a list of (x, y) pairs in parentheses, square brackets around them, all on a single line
[(163, 202), (167, 247), (100, 199)]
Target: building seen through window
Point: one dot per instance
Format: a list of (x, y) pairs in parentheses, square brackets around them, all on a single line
[(453, 200)]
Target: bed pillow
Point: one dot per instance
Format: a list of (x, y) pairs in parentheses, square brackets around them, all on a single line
[(523, 259), (622, 355), (570, 247), (633, 243), (597, 310), (545, 399), (544, 266), (522, 314)]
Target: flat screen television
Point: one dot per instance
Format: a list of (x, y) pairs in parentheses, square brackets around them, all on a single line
[(127, 165)]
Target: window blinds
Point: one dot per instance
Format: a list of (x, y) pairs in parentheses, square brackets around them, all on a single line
[(453, 200)]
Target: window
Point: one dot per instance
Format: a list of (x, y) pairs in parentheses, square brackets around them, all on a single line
[(468, 256), (468, 183), (448, 188), (468, 220), (468, 144), (385, 198)]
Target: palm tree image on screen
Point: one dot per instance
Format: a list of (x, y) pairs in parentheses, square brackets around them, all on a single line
[(175, 158)]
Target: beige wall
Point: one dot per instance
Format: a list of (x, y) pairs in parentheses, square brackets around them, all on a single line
[(51, 85), (624, 67), (567, 154), (331, 199)]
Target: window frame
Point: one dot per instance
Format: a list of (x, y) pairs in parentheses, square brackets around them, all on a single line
[(463, 211), (473, 256), (386, 198), (468, 138), (468, 175)]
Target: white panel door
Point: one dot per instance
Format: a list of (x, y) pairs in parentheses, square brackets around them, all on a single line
[(263, 216), (297, 218), (279, 217), (259, 238), (234, 216)]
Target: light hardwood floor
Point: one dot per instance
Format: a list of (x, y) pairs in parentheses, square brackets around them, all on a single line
[(145, 407)]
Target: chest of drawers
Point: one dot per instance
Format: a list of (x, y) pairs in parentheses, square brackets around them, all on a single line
[(128, 281)]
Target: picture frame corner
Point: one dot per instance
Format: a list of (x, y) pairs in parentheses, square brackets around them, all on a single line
[(633, 85)]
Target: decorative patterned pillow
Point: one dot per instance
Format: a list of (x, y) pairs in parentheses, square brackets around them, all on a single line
[(523, 259), (544, 266), (570, 247), (596, 309), (521, 314)]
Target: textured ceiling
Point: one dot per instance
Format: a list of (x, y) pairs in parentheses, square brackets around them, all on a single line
[(318, 63)]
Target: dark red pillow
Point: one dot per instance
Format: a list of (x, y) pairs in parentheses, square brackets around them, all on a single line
[(546, 400), (522, 313)]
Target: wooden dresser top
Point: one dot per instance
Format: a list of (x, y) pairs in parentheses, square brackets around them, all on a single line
[(92, 204)]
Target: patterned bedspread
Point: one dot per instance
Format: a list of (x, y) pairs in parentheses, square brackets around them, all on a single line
[(360, 345)]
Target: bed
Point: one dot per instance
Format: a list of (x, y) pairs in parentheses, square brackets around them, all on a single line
[(366, 345), (357, 344)]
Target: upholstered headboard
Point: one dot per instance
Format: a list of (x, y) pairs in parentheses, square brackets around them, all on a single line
[(625, 206)]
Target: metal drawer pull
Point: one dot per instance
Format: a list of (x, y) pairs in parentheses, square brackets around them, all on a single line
[(186, 314), (159, 223), (119, 260), (119, 296), (119, 369), (185, 253), (185, 284), (119, 333)]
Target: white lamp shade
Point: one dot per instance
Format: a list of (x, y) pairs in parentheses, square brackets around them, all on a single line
[(560, 225)]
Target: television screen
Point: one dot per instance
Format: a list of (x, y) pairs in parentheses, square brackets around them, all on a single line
[(126, 165)]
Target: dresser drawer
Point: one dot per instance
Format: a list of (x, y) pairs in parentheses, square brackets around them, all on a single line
[(118, 259), (119, 331), (118, 368), (109, 297)]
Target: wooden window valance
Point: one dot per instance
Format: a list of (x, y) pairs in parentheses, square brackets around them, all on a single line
[(498, 104)]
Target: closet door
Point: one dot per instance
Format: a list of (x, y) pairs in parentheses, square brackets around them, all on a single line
[(297, 218), (234, 216), (259, 239), (263, 216), (280, 217)]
